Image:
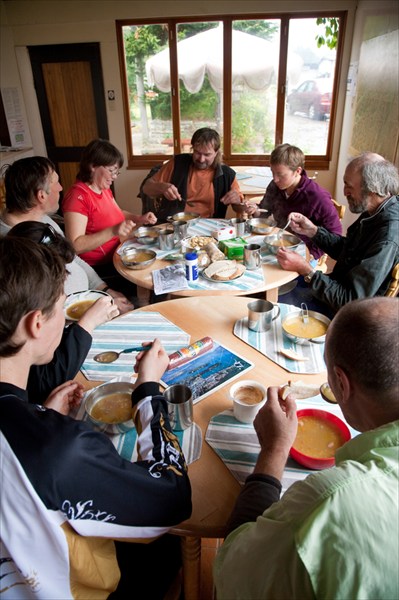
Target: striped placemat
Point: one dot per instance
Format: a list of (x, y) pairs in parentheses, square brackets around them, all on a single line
[(271, 342), (247, 282), (190, 439), (238, 447), (127, 331)]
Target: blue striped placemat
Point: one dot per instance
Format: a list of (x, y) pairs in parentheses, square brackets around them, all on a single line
[(237, 444), (270, 343), (127, 331)]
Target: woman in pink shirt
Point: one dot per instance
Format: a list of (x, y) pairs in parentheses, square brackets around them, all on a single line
[(94, 222)]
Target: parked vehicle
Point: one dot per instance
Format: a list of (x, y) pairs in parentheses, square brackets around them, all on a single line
[(312, 98)]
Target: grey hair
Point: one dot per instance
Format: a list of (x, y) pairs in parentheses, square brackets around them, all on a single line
[(378, 176)]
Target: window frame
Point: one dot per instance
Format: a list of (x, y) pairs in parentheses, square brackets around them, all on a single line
[(320, 162)]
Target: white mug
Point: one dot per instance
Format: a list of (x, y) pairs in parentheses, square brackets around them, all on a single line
[(248, 397)]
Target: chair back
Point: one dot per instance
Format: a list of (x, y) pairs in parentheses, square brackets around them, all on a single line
[(340, 208), (393, 288), (322, 262)]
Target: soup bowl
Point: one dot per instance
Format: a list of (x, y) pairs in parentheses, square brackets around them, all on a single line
[(183, 216), (77, 303), (132, 258), (302, 333), (146, 235), (260, 226), (320, 434), (273, 242), (105, 404)]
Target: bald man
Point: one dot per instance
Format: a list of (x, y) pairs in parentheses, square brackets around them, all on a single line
[(336, 533), (366, 256)]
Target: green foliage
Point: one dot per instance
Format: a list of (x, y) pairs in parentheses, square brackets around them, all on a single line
[(250, 130), (331, 30), (260, 28), (203, 104)]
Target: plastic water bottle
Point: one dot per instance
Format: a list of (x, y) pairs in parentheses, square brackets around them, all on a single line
[(191, 262)]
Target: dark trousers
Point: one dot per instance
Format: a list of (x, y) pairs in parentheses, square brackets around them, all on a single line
[(147, 570), (115, 281)]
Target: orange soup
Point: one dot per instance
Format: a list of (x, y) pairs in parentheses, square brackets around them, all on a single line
[(78, 309), (115, 408), (317, 438)]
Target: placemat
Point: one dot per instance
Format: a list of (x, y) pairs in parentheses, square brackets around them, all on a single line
[(272, 341), (190, 439), (247, 282), (238, 447), (128, 331)]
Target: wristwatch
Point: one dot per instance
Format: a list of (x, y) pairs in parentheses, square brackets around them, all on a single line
[(308, 278)]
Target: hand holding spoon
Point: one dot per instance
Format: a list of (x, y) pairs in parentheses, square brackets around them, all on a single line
[(110, 356)]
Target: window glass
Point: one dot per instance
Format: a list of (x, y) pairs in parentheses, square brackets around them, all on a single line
[(175, 86), (309, 88), (255, 60)]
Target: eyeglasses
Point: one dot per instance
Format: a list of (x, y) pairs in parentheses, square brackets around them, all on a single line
[(113, 172), (49, 236)]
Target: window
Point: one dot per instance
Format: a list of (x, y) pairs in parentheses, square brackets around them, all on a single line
[(259, 82)]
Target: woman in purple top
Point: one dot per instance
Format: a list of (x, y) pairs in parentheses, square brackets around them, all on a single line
[(292, 191)]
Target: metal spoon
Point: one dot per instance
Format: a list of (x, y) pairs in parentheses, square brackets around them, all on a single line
[(110, 356), (327, 394), (280, 233)]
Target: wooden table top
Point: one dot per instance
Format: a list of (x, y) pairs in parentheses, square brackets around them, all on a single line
[(214, 487)]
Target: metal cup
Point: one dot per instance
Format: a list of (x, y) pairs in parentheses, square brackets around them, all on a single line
[(252, 256), (181, 229), (166, 238), (260, 315), (180, 406), (240, 225)]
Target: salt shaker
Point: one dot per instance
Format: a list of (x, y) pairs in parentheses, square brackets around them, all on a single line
[(191, 262)]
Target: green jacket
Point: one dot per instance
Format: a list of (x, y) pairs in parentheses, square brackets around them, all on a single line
[(334, 535)]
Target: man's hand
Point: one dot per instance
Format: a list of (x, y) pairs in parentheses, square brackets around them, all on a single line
[(301, 224), (65, 397), (232, 197), (292, 261), (276, 426), (151, 364)]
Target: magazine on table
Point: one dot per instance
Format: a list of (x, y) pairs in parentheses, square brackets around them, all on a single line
[(207, 372)]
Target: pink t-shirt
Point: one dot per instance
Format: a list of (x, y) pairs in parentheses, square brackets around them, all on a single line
[(101, 211)]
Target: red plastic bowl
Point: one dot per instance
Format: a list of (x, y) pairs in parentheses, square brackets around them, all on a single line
[(310, 461)]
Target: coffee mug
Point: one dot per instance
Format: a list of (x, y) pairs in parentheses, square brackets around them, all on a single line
[(166, 238), (252, 257), (240, 225), (248, 397), (260, 315), (180, 406)]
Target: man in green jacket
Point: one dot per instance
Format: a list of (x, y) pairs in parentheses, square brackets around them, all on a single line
[(335, 534)]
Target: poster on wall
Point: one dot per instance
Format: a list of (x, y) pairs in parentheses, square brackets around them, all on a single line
[(14, 116)]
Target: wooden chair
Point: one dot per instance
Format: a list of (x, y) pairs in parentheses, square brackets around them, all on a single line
[(393, 289), (322, 262)]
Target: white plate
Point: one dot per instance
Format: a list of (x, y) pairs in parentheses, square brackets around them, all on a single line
[(80, 297), (205, 276)]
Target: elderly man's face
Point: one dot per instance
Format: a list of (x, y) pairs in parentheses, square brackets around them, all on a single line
[(357, 201), (203, 156)]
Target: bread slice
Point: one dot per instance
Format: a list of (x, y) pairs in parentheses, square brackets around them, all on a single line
[(300, 390), (224, 270)]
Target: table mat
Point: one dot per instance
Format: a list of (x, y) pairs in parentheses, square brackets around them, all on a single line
[(127, 331), (247, 282), (190, 439), (270, 342), (238, 447)]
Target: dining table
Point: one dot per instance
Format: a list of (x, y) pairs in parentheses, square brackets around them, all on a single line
[(267, 279), (215, 482)]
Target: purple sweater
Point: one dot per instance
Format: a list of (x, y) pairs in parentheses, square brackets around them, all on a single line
[(310, 200)]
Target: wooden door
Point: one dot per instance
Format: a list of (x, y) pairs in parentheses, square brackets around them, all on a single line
[(70, 92)]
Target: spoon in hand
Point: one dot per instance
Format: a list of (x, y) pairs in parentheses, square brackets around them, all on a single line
[(280, 233), (110, 355)]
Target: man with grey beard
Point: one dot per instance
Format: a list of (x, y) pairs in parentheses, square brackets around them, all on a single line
[(366, 256)]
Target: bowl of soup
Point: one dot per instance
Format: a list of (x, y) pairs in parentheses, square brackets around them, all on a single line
[(320, 434), (311, 329), (146, 235), (109, 407), (183, 216), (78, 303), (133, 258), (273, 242), (260, 226)]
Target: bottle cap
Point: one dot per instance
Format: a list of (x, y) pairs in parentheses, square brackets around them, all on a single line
[(191, 256)]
